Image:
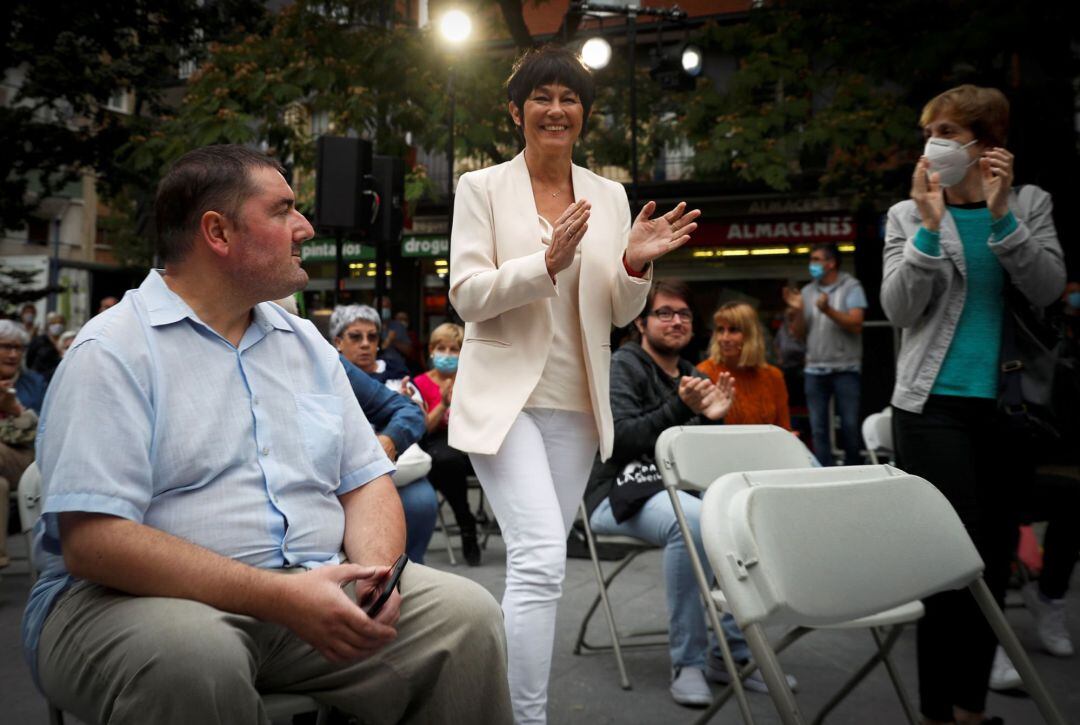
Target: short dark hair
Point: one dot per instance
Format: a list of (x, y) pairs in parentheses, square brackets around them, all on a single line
[(551, 64), (212, 178), (831, 251), (670, 287)]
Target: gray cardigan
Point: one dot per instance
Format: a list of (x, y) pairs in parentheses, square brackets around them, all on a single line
[(924, 295)]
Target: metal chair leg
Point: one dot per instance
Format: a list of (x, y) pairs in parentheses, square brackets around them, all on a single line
[(446, 532), (624, 680), (1032, 682), (860, 674), (710, 608), (580, 643), (894, 675), (781, 694)]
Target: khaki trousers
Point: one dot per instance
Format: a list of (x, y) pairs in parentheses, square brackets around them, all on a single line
[(108, 657)]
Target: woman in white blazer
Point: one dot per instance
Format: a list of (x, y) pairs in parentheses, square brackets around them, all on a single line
[(543, 260)]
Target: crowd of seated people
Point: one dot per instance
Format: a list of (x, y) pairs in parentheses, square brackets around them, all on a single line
[(652, 388), (394, 409)]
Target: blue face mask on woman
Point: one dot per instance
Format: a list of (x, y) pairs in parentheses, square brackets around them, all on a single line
[(446, 364), (817, 270)]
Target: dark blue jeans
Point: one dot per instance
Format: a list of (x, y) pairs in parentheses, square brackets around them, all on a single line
[(845, 387)]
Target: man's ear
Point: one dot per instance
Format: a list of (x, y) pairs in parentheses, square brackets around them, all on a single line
[(639, 323), (214, 231)]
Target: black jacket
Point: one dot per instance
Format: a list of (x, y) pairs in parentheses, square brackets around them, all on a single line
[(644, 403)]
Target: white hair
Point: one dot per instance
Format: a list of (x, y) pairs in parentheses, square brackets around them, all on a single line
[(11, 330), (346, 315)]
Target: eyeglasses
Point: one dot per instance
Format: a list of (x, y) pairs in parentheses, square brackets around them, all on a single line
[(361, 336), (11, 347), (666, 314)]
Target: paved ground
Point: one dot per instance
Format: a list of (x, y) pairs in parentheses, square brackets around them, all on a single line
[(585, 689)]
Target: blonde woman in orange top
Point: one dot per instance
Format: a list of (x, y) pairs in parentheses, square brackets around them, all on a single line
[(738, 347)]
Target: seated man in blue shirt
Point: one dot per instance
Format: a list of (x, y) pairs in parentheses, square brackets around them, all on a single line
[(194, 546)]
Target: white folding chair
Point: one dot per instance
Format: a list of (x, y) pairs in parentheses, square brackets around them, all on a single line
[(630, 640), (692, 458), (279, 706), (29, 500), (877, 433), (819, 547)]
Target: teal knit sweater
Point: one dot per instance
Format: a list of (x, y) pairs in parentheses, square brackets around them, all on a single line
[(970, 368)]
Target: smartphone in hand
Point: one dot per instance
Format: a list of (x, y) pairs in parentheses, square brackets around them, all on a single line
[(373, 608)]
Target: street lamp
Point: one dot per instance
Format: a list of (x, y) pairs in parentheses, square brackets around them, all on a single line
[(596, 53), (455, 27), (691, 59), (599, 50)]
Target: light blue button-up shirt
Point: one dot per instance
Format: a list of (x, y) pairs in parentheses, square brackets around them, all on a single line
[(156, 418)]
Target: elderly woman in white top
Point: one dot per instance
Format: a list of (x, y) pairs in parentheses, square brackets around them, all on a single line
[(543, 259)]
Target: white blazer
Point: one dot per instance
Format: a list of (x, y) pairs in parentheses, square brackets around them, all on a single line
[(500, 286)]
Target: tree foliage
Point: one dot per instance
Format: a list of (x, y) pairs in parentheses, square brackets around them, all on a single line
[(803, 96), (332, 61), (72, 57), (17, 287), (827, 96)]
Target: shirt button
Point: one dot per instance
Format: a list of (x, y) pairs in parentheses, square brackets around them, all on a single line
[(255, 400), (266, 450), (284, 547)]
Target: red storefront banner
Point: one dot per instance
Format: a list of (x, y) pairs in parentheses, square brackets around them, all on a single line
[(839, 228)]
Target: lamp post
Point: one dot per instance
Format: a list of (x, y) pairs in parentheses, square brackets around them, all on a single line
[(600, 59), (455, 27)]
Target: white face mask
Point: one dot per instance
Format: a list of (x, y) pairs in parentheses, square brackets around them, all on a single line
[(55, 329), (949, 159)]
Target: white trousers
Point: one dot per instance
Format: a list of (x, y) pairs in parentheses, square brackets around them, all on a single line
[(534, 484)]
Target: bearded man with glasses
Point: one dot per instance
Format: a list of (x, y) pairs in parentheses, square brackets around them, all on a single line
[(653, 389)]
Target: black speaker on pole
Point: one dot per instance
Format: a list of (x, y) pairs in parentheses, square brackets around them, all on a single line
[(342, 174)]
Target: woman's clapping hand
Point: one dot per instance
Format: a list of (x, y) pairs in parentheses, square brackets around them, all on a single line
[(651, 238), (570, 227)]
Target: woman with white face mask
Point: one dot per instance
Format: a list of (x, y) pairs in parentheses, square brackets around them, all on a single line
[(951, 251)]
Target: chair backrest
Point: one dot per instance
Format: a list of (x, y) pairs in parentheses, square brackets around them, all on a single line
[(870, 432), (29, 497), (826, 545), (877, 431), (695, 456)]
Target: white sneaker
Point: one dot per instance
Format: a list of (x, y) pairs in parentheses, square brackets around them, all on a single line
[(688, 687), (715, 670), (1049, 621), (1003, 676)]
